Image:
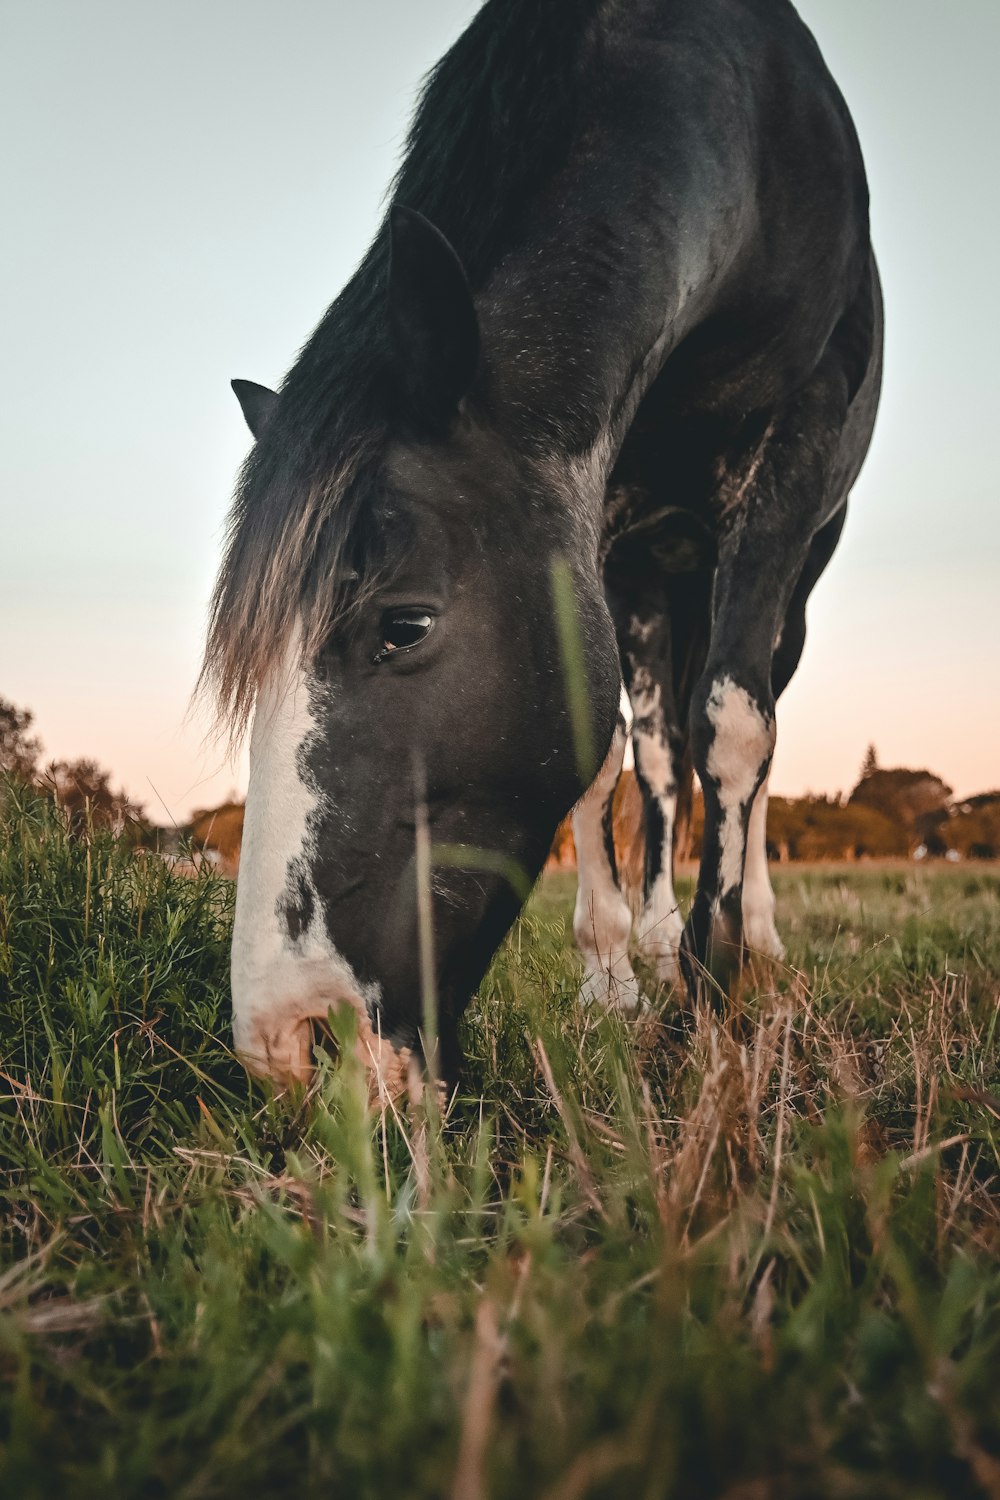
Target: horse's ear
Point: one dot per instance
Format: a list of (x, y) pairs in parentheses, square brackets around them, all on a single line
[(256, 402), (432, 320)]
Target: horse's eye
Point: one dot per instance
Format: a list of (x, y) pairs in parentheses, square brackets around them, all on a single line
[(403, 628)]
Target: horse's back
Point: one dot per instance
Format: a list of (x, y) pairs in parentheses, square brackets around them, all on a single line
[(715, 131), (736, 94)]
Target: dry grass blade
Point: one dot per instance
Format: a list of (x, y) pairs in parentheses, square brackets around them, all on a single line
[(477, 1411), (577, 1156), (780, 1133), (63, 1315), (595, 1464)]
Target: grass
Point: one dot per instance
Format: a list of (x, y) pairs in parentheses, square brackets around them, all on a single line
[(759, 1262)]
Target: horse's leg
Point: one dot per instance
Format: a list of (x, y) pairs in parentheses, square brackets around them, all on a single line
[(759, 930), (602, 922), (658, 746), (762, 557)]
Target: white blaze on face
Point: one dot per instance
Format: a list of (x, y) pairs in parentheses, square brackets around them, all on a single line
[(281, 983), (742, 742)]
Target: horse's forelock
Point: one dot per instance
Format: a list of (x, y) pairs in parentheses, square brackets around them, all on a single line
[(300, 561)]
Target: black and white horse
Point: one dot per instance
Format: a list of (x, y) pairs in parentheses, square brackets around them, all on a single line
[(623, 320)]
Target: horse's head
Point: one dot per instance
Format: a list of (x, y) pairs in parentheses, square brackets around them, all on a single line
[(413, 746)]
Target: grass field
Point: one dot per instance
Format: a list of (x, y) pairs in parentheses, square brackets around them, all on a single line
[(756, 1262)]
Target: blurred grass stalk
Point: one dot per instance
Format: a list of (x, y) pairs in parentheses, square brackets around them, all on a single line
[(574, 669)]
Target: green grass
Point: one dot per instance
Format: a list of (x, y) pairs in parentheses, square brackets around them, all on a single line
[(759, 1261)]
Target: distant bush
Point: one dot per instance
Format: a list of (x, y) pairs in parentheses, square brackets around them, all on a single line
[(219, 828), (822, 828), (971, 828), (83, 790), (889, 815), (905, 797), (19, 750), (80, 788)]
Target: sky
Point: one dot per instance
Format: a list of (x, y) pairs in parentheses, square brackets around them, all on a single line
[(185, 190)]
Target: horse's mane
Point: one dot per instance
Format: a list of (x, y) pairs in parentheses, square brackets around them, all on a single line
[(304, 545)]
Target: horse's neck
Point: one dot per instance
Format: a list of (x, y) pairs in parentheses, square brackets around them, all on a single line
[(580, 318), (576, 332)]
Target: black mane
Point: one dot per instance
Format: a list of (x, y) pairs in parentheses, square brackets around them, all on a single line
[(495, 120)]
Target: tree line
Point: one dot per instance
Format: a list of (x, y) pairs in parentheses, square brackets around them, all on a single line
[(82, 788), (890, 813), (893, 813)]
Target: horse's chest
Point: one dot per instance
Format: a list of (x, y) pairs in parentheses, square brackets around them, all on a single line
[(680, 477)]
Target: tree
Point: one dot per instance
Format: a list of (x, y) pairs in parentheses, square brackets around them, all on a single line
[(869, 765), (972, 828), (819, 828), (83, 790), (19, 750), (910, 799)]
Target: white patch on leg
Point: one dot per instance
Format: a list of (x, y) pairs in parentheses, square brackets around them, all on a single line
[(280, 983), (602, 922), (659, 924), (742, 743), (759, 931), (660, 921)]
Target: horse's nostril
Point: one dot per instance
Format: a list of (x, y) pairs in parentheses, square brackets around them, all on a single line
[(282, 1048), (324, 1039), (282, 1052)]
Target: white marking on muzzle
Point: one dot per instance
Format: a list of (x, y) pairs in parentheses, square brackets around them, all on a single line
[(281, 983)]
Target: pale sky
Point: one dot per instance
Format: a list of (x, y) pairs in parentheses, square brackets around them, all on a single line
[(187, 187)]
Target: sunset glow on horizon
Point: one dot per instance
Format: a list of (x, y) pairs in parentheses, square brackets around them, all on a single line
[(184, 214)]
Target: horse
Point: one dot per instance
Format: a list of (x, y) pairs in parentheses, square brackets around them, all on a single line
[(587, 415)]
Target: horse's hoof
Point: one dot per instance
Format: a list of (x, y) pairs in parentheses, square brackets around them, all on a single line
[(762, 941), (613, 992)]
